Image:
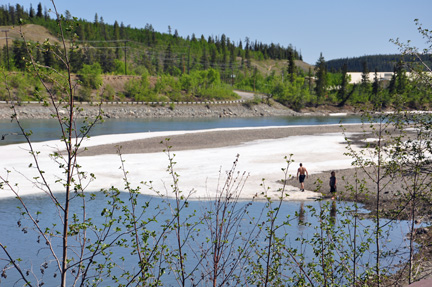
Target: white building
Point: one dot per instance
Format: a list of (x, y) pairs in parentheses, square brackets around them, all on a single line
[(356, 77)]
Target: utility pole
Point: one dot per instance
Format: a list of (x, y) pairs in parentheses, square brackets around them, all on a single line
[(184, 65), (232, 75), (125, 57), (7, 47)]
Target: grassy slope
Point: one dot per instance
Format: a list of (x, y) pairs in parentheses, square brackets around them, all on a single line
[(39, 34), (31, 32)]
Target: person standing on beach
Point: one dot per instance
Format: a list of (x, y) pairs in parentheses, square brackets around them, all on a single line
[(302, 173), (332, 184)]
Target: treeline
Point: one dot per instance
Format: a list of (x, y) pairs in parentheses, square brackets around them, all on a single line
[(180, 69), (216, 49), (381, 63), (322, 87)]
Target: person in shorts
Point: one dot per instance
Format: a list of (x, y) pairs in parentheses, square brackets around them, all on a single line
[(302, 173), (332, 183)]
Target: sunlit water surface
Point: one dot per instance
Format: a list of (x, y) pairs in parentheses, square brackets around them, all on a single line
[(23, 242)]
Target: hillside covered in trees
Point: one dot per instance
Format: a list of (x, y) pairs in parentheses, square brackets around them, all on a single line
[(167, 67), (381, 63), (159, 52)]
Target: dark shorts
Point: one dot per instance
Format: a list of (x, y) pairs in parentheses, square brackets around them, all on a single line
[(302, 177), (332, 189)]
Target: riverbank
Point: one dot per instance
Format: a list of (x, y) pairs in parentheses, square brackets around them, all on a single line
[(139, 110)]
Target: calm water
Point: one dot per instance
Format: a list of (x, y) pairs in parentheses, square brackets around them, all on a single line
[(23, 242), (48, 129)]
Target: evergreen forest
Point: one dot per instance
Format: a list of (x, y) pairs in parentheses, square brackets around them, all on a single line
[(382, 63), (169, 68)]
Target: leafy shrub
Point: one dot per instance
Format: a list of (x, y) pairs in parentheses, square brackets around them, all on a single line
[(217, 93), (85, 94), (90, 76), (139, 89), (120, 68), (108, 93)]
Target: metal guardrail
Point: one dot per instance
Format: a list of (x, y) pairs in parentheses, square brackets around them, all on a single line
[(134, 103)]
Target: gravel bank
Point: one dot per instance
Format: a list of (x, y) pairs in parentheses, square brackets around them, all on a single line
[(37, 111), (115, 111)]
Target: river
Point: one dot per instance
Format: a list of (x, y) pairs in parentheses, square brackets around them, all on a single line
[(47, 129), (298, 227), (298, 224)]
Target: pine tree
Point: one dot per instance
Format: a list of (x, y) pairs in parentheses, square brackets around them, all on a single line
[(232, 56), (291, 67), (123, 32), (321, 78), (392, 84), (247, 53), (168, 59), (19, 11), (39, 13), (19, 54), (116, 31), (204, 58), (103, 29), (365, 73), (344, 83), (232, 63), (96, 20), (48, 57), (12, 15), (375, 91), (68, 15), (365, 83), (106, 59), (310, 79), (31, 12), (401, 78), (375, 85), (213, 57), (46, 14), (39, 56), (76, 60)]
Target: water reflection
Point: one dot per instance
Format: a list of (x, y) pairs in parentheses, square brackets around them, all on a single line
[(26, 246), (333, 210), (301, 214)]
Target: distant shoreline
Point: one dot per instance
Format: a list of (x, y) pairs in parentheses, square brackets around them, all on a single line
[(118, 111)]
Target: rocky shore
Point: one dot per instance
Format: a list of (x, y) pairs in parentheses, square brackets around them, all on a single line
[(115, 111)]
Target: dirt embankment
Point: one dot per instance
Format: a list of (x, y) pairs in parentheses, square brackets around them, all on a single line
[(38, 111), (174, 110)]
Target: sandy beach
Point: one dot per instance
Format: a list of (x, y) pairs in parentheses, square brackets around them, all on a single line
[(312, 138), (217, 138), (202, 159)]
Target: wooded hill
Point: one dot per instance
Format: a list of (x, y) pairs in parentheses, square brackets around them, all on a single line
[(167, 67), (158, 52), (381, 63)]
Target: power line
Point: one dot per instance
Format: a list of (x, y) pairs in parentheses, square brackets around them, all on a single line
[(7, 47), (100, 41)]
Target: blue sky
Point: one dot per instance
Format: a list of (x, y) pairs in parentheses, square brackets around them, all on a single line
[(337, 28)]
